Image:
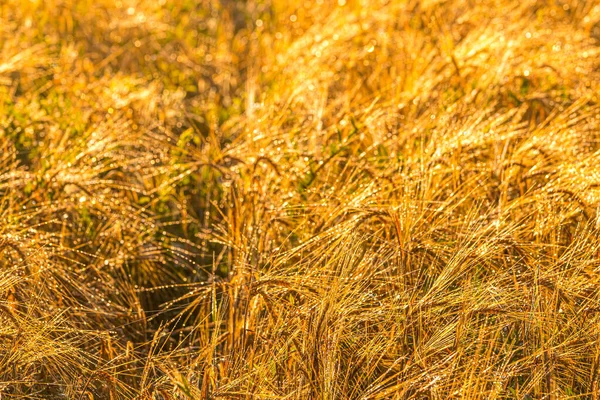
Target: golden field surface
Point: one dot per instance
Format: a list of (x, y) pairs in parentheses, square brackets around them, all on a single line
[(360, 199)]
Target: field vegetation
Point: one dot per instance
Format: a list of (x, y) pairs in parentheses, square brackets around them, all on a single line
[(271, 199)]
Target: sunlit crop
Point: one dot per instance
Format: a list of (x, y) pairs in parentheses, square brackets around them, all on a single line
[(299, 199)]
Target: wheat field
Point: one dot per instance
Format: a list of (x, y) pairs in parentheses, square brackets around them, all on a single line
[(270, 199)]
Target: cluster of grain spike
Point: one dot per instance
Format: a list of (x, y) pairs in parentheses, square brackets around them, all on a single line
[(300, 200)]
